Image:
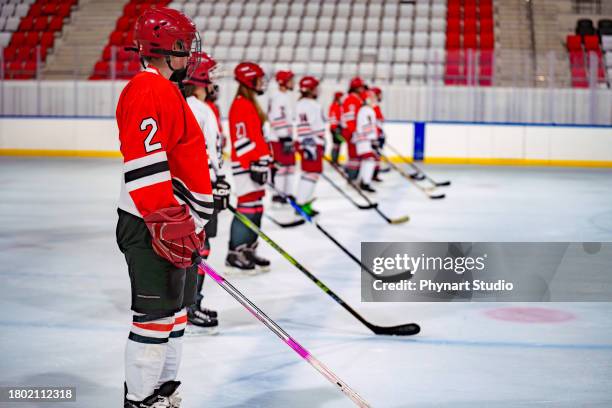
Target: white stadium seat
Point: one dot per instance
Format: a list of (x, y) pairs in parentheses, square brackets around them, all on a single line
[(277, 23), (297, 9), (400, 72), (245, 23), (338, 39), (606, 42), (293, 23), (421, 24), (435, 72), (608, 58), (257, 38), (351, 54), (305, 39), (370, 39), (312, 9), (325, 24), (302, 54), (285, 53), (219, 9), (12, 23), (336, 54), (419, 54), (422, 9), (251, 54), (212, 23), (250, 9), (265, 9), (340, 24), (22, 10), (387, 39), (375, 10), (366, 69), (372, 24), (436, 55), (319, 54), (8, 10), (402, 54), (273, 38), (191, 9), (356, 24), (390, 9), (437, 39), (224, 38), (406, 10), (235, 9), (261, 23), (230, 23), (315, 69), (417, 70), (241, 38), (298, 68), (343, 9), (205, 9), (309, 23), (209, 38), (328, 9), (354, 39), (221, 53), (281, 9), (403, 39), (437, 24), (4, 39), (359, 9), (388, 24), (289, 38), (420, 39), (332, 70), (385, 54), (268, 53), (438, 10), (321, 39), (383, 71)]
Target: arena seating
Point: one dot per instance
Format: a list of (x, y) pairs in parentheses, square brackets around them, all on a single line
[(585, 48), (28, 33), (382, 41), (470, 42), (115, 60)]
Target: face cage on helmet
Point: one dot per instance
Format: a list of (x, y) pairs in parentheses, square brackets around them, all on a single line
[(195, 55)]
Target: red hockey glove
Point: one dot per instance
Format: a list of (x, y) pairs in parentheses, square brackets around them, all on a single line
[(173, 235)]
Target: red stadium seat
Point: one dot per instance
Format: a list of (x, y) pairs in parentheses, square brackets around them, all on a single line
[(574, 42), (26, 23), (453, 11), (485, 12), (106, 54), (453, 41), (101, 69), (487, 42), (18, 39), (116, 38), (453, 25), (9, 53), (591, 42), (29, 69), (35, 10), (23, 54), (454, 75), (32, 38), (130, 10), (123, 24), (49, 9), (579, 77), (14, 69), (469, 11), (40, 24), (470, 41), (577, 58), (129, 38), (486, 57), (56, 24), (47, 39), (63, 11), (485, 75), (486, 26)]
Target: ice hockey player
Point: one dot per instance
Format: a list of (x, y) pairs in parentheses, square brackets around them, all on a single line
[(365, 135), (166, 199), (211, 100), (379, 143), (196, 89), (280, 115), (350, 106), (335, 113), (250, 166), (311, 124)]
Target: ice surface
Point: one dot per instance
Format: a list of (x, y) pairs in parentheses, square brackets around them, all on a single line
[(64, 297)]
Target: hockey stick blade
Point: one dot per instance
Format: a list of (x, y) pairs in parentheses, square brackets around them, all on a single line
[(417, 176), (409, 329), (399, 220), (442, 183), (286, 224), (436, 196)]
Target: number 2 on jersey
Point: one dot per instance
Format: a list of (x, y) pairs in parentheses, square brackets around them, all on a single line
[(144, 125)]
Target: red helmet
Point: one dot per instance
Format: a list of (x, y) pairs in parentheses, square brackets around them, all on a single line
[(204, 72), (158, 29), (308, 83), (247, 73), (338, 95), (356, 82), (376, 91), (282, 77)]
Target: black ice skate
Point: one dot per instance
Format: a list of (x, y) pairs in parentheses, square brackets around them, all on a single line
[(366, 187), (201, 321), (165, 396), (237, 263), (261, 264)]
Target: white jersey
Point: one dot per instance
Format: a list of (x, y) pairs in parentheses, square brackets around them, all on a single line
[(366, 124), (311, 121), (280, 115), (207, 120)]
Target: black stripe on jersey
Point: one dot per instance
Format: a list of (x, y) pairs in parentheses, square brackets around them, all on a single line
[(146, 340), (146, 171), (184, 191), (202, 215), (178, 333)]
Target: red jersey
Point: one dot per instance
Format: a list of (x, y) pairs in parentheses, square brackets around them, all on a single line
[(215, 109), (350, 107), (246, 134), (380, 119), (164, 154), (335, 115)]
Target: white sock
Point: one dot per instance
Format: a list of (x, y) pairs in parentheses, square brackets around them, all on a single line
[(174, 349), (306, 187), (145, 354), (366, 170)]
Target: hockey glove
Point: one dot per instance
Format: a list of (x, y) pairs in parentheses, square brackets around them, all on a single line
[(221, 193), (287, 145), (309, 149), (173, 235), (337, 135), (259, 171)]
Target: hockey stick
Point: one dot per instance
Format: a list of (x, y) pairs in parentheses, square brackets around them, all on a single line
[(419, 170), (285, 224), (426, 191), (368, 206), (400, 330), (283, 335), (399, 220), (395, 278)]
